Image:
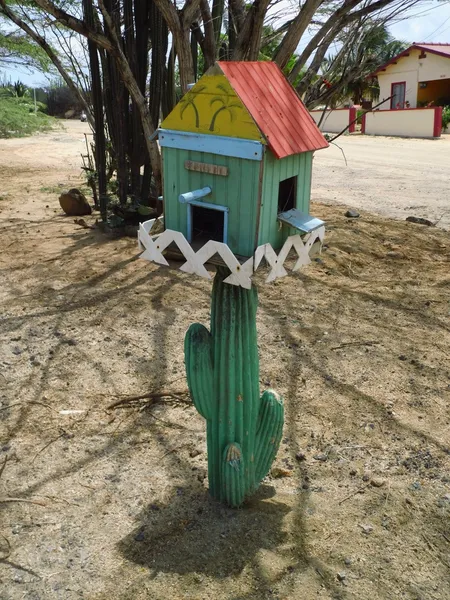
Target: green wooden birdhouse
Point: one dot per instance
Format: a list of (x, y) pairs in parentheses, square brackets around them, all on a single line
[(243, 132), (237, 159)]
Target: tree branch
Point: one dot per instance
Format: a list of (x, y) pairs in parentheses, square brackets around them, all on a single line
[(355, 120), (75, 24), (249, 38), (179, 24), (295, 31), (339, 19)]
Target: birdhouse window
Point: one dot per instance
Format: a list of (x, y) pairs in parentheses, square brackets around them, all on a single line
[(207, 224), (287, 193)]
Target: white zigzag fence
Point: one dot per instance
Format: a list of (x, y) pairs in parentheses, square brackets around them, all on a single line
[(241, 274)]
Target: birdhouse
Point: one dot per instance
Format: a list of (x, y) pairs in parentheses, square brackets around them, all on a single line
[(237, 159)]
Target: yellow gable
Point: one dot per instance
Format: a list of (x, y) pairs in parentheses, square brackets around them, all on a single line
[(213, 107)]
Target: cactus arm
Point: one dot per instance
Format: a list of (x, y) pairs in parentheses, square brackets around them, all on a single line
[(199, 368), (269, 432)]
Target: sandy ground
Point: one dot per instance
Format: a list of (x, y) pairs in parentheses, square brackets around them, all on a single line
[(112, 504), (393, 177)]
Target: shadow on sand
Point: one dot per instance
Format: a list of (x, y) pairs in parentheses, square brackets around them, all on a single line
[(195, 534)]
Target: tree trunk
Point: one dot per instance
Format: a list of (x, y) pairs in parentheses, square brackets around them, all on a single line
[(143, 24), (159, 37), (168, 95), (97, 101), (232, 32), (179, 24), (249, 39), (116, 105), (114, 98), (194, 52), (136, 146), (294, 34), (209, 45), (185, 62), (218, 7), (132, 86), (237, 8)]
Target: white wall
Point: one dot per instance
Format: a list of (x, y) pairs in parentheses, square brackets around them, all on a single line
[(334, 121), (433, 67), (412, 70), (418, 123)]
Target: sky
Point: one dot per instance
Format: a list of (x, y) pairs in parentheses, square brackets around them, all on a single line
[(433, 26), (427, 22)]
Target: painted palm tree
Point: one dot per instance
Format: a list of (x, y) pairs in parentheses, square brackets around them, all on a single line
[(189, 100), (227, 105)]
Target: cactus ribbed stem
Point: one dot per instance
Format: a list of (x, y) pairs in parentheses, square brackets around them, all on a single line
[(243, 429)]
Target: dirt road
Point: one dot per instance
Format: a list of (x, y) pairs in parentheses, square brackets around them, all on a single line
[(392, 177), (112, 504)]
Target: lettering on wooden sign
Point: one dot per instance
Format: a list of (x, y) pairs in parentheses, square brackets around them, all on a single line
[(191, 165)]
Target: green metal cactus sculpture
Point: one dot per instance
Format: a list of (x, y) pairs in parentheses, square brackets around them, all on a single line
[(244, 429)]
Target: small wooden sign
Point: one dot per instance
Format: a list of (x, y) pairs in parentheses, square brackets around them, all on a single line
[(191, 165)]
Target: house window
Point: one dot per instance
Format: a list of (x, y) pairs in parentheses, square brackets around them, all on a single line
[(398, 91), (287, 193), (207, 224)]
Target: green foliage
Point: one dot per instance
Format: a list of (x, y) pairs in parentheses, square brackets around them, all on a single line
[(348, 72), (17, 48), (359, 115), (273, 41), (20, 89), (445, 117), (28, 102), (288, 68), (15, 90), (17, 117), (22, 95)]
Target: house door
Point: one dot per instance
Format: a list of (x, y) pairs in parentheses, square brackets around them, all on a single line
[(398, 91)]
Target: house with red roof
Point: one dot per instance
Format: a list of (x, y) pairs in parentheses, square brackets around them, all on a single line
[(417, 77)]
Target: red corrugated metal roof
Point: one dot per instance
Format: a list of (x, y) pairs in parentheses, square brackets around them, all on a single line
[(440, 49), (275, 107)]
